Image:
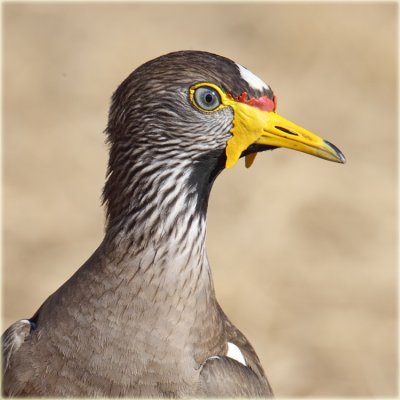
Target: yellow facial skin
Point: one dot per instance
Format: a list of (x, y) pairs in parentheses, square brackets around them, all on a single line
[(254, 126)]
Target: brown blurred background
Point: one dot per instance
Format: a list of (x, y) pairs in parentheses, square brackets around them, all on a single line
[(303, 250)]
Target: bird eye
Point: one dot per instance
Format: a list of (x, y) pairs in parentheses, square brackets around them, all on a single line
[(207, 98)]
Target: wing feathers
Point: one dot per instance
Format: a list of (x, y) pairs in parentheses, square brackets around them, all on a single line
[(226, 377), (13, 338)]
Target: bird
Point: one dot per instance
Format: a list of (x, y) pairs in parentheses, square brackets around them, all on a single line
[(140, 317)]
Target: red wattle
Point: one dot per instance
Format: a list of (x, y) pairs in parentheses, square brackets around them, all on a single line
[(263, 103)]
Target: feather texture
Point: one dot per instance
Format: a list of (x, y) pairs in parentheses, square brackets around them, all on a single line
[(140, 317)]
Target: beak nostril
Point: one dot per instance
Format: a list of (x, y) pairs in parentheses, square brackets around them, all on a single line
[(286, 130)]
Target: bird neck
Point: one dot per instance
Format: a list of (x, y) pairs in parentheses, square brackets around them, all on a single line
[(157, 222)]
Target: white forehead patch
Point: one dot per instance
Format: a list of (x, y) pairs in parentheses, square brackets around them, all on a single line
[(254, 81)]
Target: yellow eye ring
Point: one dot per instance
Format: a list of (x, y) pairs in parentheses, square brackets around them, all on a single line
[(206, 97)]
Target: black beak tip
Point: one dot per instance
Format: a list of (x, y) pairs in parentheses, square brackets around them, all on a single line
[(340, 155)]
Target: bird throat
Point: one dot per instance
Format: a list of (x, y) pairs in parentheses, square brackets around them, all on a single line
[(157, 223), (158, 246)]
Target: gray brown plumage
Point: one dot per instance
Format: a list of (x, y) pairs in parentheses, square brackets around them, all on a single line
[(140, 317)]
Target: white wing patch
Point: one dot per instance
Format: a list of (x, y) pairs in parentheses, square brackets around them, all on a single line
[(19, 339), (254, 81), (216, 357), (235, 353)]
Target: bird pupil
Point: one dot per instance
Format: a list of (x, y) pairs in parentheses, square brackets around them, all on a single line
[(209, 98)]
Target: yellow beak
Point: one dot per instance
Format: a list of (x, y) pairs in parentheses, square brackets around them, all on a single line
[(281, 132), (254, 126)]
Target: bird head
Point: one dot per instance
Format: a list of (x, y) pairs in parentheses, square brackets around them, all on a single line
[(189, 104), (200, 111)]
